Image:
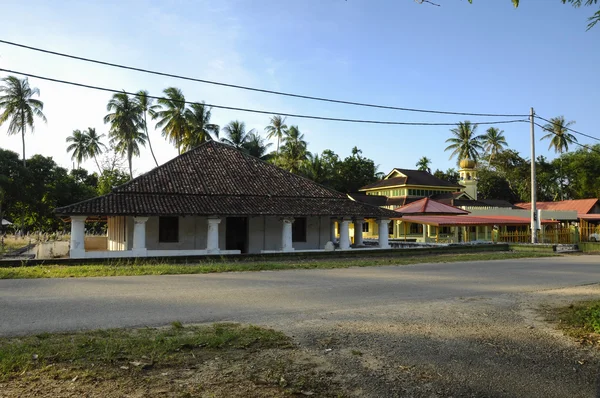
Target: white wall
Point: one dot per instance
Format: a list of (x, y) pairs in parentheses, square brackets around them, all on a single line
[(545, 214)]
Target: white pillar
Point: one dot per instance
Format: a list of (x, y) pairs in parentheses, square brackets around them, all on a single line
[(425, 233), (345, 234), (286, 235), (77, 249), (383, 234), (212, 236), (139, 236), (358, 232), (332, 231), (456, 234)]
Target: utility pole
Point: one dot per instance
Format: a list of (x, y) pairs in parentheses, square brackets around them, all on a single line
[(534, 216)]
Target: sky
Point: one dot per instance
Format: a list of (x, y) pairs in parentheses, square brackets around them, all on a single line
[(485, 57)]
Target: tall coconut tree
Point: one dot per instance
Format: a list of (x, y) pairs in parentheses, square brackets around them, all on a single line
[(493, 142), (276, 129), (423, 164), (558, 134), (464, 144), (95, 146), (293, 152), (78, 145), (147, 107), (18, 106), (236, 135), (171, 117), (126, 126), (257, 147), (200, 129)]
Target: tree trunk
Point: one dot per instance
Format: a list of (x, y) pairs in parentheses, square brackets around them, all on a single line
[(129, 160), (148, 138), (23, 137), (98, 165)]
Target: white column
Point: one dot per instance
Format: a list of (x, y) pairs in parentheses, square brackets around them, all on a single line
[(77, 249), (345, 233), (212, 236), (286, 235), (487, 232), (456, 234), (383, 234), (358, 233), (139, 236), (425, 233), (332, 231)]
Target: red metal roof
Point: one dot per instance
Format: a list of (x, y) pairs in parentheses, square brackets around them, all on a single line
[(581, 206), (589, 217), (429, 206), (442, 221)]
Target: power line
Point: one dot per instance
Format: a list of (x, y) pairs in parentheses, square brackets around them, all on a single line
[(260, 90), (111, 90), (569, 129), (573, 142)]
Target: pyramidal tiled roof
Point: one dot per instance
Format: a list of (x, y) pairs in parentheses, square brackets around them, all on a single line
[(429, 206), (217, 179)]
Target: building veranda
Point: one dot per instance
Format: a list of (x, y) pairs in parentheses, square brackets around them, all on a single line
[(216, 199)]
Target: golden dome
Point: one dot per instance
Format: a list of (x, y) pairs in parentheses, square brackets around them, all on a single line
[(467, 164)]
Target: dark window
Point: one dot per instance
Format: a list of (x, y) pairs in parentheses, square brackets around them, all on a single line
[(391, 228), (365, 227), (299, 230), (168, 229)]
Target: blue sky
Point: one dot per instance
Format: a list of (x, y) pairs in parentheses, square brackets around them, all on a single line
[(484, 57)]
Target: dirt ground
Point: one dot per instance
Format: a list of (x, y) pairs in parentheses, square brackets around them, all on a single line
[(506, 346)]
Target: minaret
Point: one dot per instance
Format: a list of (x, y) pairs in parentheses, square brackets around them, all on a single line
[(468, 177)]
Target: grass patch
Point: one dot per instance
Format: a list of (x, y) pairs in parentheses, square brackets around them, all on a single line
[(139, 348), (580, 320), (149, 268)]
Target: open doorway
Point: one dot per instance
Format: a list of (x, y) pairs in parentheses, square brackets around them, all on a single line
[(236, 234)]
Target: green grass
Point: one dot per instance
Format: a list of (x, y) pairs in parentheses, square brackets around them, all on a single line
[(580, 320), (138, 348), (149, 268)]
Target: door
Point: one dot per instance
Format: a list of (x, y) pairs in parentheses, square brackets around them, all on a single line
[(236, 234)]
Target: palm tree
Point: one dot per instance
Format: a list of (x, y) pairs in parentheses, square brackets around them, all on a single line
[(236, 133), (255, 146), (293, 152), (423, 164), (172, 116), (315, 168), (95, 147), (147, 107), (126, 126), (17, 104), (199, 127), (558, 134), (493, 141), (276, 129), (464, 144), (79, 142)]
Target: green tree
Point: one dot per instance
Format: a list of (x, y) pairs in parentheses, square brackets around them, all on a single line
[(95, 147), (294, 150), (18, 105), (126, 127), (356, 171), (464, 144), (147, 106), (276, 128), (78, 146), (236, 135), (492, 185), (200, 129), (451, 175), (493, 142), (316, 169), (423, 164), (171, 117), (256, 146), (558, 134)]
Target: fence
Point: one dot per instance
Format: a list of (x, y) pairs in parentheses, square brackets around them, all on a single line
[(553, 235), (589, 233)]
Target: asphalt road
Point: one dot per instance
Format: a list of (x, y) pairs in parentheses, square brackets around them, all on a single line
[(36, 305)]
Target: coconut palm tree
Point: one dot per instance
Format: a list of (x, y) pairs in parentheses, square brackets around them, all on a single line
[(172, 116), (255, 146), (293, 152), (147, 106), (199, 129), (95, 147), (423, 164), (493, 142), (558, 134), (276, 129), (79, 142), (464, 144), (126, 126), (236, 134), (18, 105), (315, 168)]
